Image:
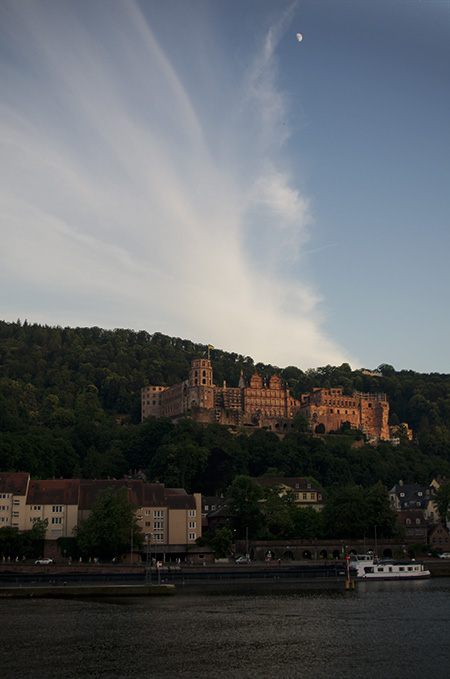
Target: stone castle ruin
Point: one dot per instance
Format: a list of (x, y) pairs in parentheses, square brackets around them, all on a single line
[(264, 403)]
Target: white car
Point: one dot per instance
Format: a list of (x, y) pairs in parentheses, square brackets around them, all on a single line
[(44, 561), (444, 555)]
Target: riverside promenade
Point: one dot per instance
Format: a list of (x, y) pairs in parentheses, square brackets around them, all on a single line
[(66, 581)]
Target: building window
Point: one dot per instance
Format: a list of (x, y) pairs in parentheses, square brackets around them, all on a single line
[(313, 496), (192, 524), (36, 508), (192, 536), (57, 509), (57, 520), (158, 514), (158, 525), (192, 512)]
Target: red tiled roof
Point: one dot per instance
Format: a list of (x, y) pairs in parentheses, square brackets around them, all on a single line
[(53, 492), (180, 501), (89, 490), (153, 495), (14, 482)]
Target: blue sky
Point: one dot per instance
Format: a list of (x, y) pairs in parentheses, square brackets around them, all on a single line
[(189, 167)]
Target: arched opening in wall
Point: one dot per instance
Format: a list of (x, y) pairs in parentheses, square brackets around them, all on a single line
[(203, 381), (288, 555), (323, 554), (306, 554), (336, 554)]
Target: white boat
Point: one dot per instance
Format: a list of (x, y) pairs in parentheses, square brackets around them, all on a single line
[(369, 568)]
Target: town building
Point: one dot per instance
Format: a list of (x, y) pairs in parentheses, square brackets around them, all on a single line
[(305, 494), (413, 496), (264, 403), (172, 517)]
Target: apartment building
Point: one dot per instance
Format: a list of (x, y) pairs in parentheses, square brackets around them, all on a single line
[(170, 516)]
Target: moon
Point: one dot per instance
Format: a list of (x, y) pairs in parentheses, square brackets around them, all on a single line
[(299, 37)]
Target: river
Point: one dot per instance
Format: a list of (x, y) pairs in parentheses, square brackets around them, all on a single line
[(398, 629)]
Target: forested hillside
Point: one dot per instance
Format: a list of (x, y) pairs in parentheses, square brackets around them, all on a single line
[(70, 406)]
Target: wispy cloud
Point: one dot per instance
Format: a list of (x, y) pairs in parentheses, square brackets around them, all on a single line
[(120, 205)]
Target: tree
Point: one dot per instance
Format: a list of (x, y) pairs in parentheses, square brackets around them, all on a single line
[(442, 502), (245, 495), (107, 531), (278, 515), (222, 541)]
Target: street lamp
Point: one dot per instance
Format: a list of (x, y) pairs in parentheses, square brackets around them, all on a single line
[(131, 548)]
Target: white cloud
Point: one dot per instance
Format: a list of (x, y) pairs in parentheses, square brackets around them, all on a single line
[(121, 208)]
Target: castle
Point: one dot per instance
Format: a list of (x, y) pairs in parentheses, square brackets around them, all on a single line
[(261, 403)]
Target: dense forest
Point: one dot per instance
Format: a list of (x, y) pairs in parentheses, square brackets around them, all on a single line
[(70, 407)]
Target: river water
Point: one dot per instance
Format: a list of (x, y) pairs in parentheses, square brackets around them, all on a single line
[(399, 629)]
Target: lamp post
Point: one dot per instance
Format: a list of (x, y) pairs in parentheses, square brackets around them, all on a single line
[(131, 548)]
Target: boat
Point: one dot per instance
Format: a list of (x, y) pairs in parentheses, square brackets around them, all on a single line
[(368, 567)]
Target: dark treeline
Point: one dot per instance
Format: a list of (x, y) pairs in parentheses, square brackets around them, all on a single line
[(70, 407)]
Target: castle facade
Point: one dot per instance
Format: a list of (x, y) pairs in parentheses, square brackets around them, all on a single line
[(332, 408), (264, 403)]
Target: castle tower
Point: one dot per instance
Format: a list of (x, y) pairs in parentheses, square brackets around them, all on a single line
[(201, 374), (201, 385)]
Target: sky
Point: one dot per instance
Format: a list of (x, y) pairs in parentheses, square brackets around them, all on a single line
[(190, 167)]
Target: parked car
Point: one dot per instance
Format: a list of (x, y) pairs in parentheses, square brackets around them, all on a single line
[(242, 559), (444, 555), (44, 561)]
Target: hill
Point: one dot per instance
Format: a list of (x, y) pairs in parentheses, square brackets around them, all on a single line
[(70, 406)]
